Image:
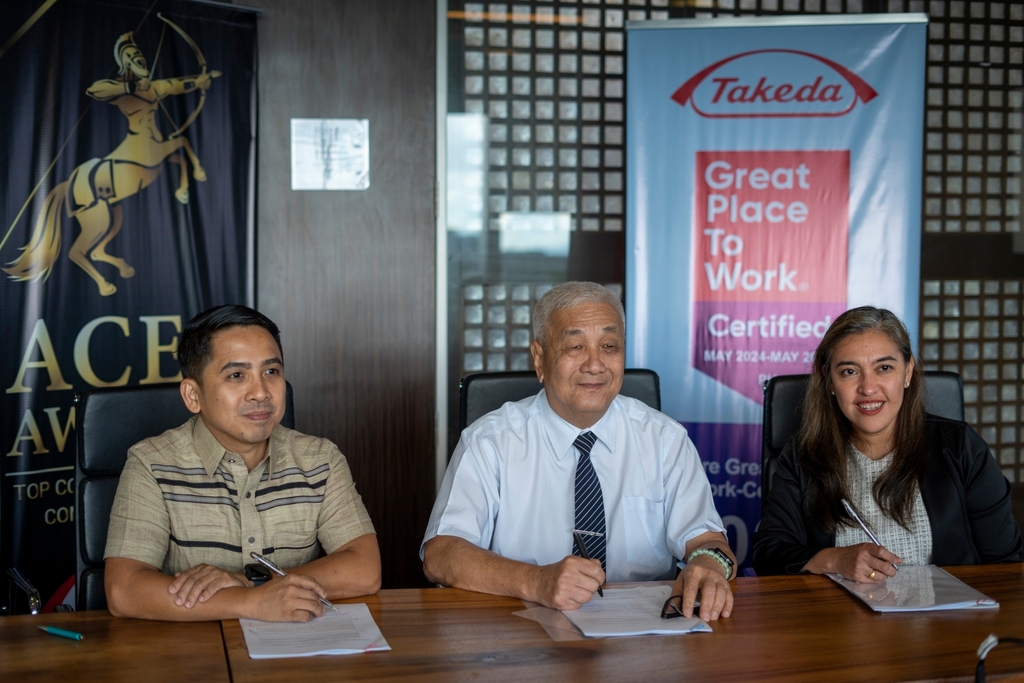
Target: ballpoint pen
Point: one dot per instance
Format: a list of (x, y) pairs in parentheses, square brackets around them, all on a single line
[(280, 572), (53, 630), (582, 547), (853, 513)]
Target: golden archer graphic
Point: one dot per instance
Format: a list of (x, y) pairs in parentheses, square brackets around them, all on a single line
[(93, 193)]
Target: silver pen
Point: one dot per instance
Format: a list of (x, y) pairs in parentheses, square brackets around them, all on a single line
[(280, 572), (853, 513)]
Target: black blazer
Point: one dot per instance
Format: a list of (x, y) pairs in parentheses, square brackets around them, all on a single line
[(965, 493)]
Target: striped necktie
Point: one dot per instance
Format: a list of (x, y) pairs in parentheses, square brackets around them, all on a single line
[(589, 502)]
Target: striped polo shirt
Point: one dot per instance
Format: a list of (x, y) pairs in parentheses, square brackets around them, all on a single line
[(184, 500)]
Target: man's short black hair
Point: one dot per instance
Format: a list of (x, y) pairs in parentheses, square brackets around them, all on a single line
[(195, 346)]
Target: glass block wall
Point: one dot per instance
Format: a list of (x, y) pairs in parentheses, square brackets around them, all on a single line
[(546, 80), (972, 327), (548, 76), (497, 325), (975, 93), (973, 128), (497, 332)]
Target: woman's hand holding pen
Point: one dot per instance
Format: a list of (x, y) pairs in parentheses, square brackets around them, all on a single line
[(864, 562)]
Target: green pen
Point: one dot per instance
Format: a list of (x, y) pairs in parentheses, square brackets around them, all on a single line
[(53, 630)]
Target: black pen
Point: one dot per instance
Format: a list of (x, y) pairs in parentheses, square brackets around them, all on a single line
[(582, 547), (280, 572)]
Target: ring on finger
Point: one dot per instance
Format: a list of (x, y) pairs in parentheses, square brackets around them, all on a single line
[(872, 574)]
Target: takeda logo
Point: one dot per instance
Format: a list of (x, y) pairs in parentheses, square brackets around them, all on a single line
[(774, 84)]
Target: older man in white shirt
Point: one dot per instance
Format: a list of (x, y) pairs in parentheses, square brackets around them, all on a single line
[(578, 457)]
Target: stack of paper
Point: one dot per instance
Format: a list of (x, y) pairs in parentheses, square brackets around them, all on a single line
[(631, 612), (346, 630), (917, 589)]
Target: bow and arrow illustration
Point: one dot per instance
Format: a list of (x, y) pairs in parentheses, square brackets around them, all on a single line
[(93, 193)]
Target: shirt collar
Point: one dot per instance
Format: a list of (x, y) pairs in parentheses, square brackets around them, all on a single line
[(211, 452), (562, 434)]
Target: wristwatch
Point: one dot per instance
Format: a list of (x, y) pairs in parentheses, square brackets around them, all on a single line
[(257, 573), (716, 554)]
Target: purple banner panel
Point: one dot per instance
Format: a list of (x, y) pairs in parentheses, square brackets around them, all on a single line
[(731, 455), (742, 344)]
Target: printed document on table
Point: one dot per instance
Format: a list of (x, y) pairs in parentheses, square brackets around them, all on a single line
[(631, 612), (348, 629), (917, 589)]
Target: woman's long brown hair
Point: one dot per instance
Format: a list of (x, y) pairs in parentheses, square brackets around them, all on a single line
[(823, 441)]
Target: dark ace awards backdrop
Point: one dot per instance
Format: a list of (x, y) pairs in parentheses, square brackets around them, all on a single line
[(127, 143)]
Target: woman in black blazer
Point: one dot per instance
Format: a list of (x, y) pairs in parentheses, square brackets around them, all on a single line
[(928, 487)]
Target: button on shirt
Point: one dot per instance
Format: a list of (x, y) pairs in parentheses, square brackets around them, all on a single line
[(183, 500), (509, 487)]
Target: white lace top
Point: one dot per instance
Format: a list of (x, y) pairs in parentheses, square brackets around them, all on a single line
[(915, 545)]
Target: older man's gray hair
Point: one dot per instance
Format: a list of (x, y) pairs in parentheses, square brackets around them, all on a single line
[(569, 295)]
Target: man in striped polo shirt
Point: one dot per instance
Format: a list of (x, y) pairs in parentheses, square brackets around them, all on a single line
[(193, 502)]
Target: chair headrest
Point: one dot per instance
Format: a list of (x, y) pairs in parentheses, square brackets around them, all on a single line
[(113, 420)]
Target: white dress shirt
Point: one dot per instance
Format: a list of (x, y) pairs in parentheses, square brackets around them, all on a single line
[(510, 487)]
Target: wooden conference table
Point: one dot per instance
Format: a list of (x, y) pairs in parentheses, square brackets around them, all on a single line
[(799, 628)]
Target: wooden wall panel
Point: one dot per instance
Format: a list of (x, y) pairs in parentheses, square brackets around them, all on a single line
[(349, 276)]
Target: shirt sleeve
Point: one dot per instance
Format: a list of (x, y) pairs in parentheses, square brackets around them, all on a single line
[(343, 517), (989, 510), (468, 500), (140, 528), (782, 543), (690, 506)]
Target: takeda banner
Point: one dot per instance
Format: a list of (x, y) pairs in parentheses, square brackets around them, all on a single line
[(764, 220), (774, 174)]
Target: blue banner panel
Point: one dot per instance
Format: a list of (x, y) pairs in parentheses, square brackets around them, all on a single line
[(774, 181)]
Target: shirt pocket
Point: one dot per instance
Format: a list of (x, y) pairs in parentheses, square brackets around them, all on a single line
[(295, 548), (645, 531)]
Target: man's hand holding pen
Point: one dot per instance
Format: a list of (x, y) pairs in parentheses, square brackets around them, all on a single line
[(288, 598), (569, 584), (291, 597)]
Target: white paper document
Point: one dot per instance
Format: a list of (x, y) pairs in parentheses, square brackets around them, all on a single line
[(917, 589), (349, 629), (330, 154), (554, 622), (631, 612)]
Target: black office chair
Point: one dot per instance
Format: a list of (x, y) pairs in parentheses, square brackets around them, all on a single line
[(110, 421), (483, 392), (783, 409)]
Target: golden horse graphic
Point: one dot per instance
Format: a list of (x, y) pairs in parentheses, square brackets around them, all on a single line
[(93, 192)]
